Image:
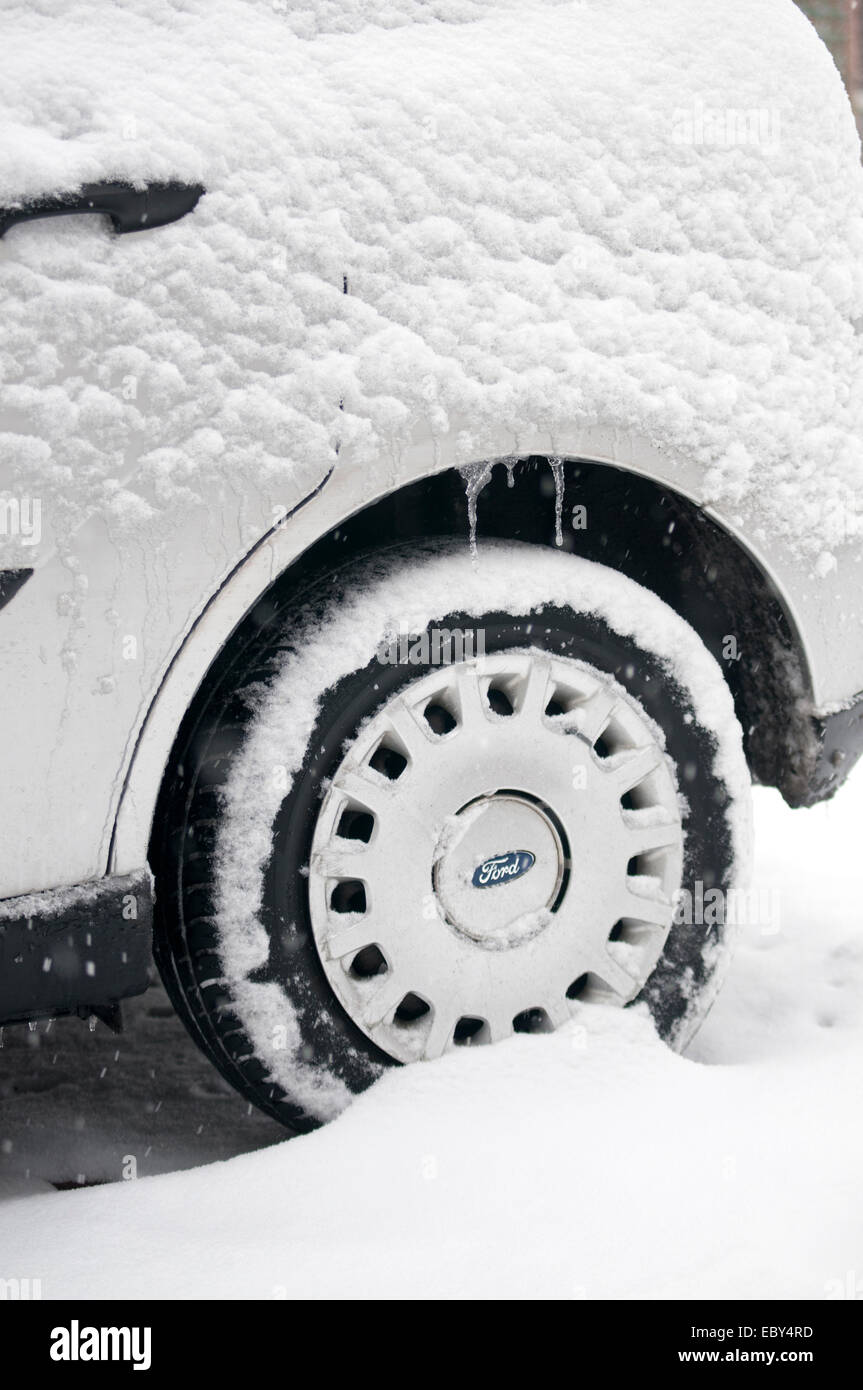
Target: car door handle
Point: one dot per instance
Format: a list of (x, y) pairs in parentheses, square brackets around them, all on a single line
[(130, 209)]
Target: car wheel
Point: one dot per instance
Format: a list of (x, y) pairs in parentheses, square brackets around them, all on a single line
[(439, 803)]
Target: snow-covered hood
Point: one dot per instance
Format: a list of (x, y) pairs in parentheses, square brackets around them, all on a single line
[(544, 214)]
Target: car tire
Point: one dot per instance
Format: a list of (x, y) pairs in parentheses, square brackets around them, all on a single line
[(345, 783)]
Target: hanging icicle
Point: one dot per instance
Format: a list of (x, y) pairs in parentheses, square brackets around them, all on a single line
[(475, 476), (556, 466)]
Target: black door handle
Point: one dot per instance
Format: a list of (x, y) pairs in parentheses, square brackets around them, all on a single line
[(130, 209)]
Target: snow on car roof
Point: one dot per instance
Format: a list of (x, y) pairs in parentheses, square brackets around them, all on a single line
[(544, 214)]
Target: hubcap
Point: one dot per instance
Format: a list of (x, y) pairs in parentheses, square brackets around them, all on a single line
[(468, 857), (501, 840)]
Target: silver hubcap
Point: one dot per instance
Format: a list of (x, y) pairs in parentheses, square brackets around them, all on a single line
[(501, 842), (468, 858)]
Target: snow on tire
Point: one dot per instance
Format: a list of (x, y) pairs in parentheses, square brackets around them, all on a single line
[(444, 802)]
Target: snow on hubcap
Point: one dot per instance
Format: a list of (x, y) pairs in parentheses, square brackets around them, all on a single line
[(502, 838), (465, 861)]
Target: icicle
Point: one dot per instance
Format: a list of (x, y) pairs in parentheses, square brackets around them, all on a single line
[(556, 466), (509, 465), (475, 476)]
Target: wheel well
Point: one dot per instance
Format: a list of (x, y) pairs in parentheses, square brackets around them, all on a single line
[(632, 524)]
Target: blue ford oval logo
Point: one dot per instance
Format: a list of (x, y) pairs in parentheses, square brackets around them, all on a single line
[(504, 868)]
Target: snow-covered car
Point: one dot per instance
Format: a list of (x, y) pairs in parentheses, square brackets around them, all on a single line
[(431, 493)]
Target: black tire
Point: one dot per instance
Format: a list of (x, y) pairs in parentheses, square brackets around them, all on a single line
[(190, 812)]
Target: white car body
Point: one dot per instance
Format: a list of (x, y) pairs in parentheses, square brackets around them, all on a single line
[(105, 645)]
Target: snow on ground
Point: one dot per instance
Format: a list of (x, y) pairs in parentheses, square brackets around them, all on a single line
[(535, 217), (592, 1163)]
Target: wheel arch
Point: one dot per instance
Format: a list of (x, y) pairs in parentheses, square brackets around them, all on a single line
[(637, 522)]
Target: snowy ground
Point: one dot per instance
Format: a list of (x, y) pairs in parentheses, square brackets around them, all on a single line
[(592, 1163)]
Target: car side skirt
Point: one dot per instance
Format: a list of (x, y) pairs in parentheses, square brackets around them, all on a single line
[(76, 950)]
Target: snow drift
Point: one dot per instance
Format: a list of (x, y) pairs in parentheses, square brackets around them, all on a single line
[(448, 217), (585, 1164)]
